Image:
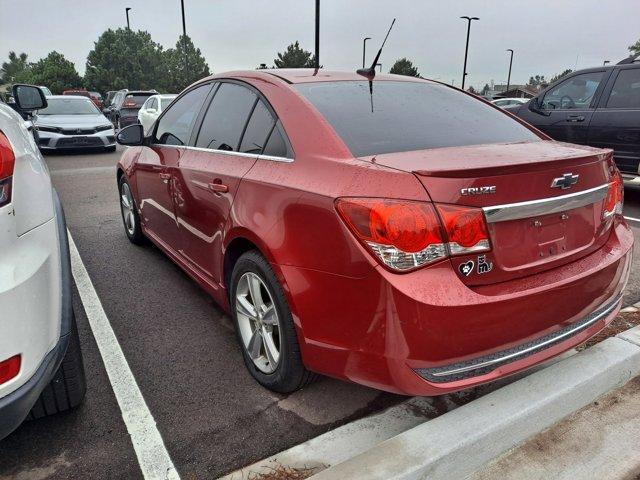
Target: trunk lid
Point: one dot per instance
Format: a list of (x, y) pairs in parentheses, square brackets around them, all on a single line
[(532, 226)]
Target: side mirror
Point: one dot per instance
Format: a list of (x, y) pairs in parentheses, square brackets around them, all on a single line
[(535, 107), (29, 98), (131, 136)]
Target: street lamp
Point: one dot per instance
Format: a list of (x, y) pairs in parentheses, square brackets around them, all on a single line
[(510, 63), (364, 49), (466, 50), (126, 10)]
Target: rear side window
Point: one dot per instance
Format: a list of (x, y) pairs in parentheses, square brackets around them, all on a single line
[(276, 145), (405, 116), (258, 129), (174, 128), (226, 118), (626, 90)]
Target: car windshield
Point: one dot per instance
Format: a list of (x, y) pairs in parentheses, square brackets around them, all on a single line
[(165, 101), (137, 98), (69, 106), (402, 116)]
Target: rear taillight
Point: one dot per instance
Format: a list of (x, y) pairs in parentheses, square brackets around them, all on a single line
[(128, 104), (10, 368), (615, 196), (405, 235), (7, 161)]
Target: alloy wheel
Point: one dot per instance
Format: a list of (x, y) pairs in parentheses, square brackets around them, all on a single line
[(126, 204), (258, 322)]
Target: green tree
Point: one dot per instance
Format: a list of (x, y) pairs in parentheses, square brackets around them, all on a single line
[(123, 58), (184, 65), (635, 48), (485, 89), (537, 80), (560, 75), (15, 70), (295, 57), (56, 72), (404, 66), (472, 90)]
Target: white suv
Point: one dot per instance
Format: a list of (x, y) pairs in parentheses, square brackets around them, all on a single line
[(41, 370)]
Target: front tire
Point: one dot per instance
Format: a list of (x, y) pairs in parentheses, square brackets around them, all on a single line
[(129, 211), (264, 326)]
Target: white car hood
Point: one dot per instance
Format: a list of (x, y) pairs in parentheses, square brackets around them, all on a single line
[(71, 121)]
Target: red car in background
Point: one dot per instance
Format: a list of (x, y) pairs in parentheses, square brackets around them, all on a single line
[(94, 96), (397, 232)]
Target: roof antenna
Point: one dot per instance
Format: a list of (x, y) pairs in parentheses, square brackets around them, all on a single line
[(371, 71)]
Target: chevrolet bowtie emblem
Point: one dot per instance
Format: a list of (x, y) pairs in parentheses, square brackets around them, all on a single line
[(565, 181)]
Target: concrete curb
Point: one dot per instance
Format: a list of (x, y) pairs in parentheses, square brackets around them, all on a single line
[(458, 443)]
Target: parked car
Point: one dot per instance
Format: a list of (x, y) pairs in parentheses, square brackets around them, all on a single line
[(126, 104), (598, 107), (73, 122), (507, 102), (96, 98), (152, 108), (81, 92), (391, 231), (41, 368)]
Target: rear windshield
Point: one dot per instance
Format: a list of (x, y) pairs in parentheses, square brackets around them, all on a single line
[(407, 116), (137, 98)]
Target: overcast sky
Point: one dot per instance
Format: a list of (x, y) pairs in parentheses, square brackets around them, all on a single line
[(548, 36)]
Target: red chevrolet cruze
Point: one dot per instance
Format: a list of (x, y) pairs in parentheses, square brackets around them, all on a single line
[(397, 233)]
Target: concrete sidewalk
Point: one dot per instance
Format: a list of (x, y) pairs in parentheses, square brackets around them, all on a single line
[(602, 440)]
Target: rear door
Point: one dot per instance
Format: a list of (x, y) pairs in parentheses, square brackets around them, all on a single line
[(154, 179), (233, 133), (616, 122), (568, 107)]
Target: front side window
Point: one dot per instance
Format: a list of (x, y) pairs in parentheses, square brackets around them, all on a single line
[(408, 115), (626, 90), (174, 128), (226, 118), (575, 92)]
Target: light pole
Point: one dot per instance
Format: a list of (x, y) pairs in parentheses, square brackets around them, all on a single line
[(126, 10), (510, 63), (466, 49), (317, 65), (364, 49), (184, 39)]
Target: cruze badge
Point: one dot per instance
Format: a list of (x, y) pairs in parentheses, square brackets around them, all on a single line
[(565, 181), (478, 190)]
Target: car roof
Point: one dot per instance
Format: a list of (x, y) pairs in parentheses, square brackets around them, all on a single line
[(310, 75)]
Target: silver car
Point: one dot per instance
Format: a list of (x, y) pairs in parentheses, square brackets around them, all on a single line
[(73, 122)]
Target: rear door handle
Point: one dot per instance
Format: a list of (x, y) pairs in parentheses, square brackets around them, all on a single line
[(218, 187), (575, 118)]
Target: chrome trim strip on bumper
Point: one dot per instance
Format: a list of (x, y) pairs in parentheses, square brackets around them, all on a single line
[(545, 206), (485, 364)]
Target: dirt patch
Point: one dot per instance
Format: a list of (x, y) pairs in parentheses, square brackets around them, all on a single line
[(282, 472), (624, 321)]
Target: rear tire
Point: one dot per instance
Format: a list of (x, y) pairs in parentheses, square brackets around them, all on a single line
[(68, 386), (289, 373), (129, 212)]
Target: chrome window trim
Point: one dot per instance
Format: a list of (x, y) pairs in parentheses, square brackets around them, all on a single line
[(606, 309), (227, 152), (544, 206)]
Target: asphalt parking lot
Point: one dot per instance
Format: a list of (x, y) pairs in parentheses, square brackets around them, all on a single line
[(181, 349)]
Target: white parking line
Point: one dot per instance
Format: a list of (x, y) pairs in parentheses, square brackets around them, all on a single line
[(152, 454), (633, 219)]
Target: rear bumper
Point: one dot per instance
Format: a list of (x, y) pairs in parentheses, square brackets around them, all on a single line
[(126, 121), (396, 332), (15, 406)]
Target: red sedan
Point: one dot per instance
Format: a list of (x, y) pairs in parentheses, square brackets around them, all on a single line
[(397, 233)]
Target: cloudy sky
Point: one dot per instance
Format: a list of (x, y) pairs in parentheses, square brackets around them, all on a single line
[(547, 35)]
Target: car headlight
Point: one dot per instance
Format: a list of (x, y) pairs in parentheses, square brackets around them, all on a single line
[(44, 128), (102, 128)]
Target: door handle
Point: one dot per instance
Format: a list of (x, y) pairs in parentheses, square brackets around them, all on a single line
[(575, 118), (165, 177), (218, 187)]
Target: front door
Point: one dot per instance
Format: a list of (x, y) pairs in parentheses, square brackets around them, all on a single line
[(155, 166), (233, 133), (568, 107)]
